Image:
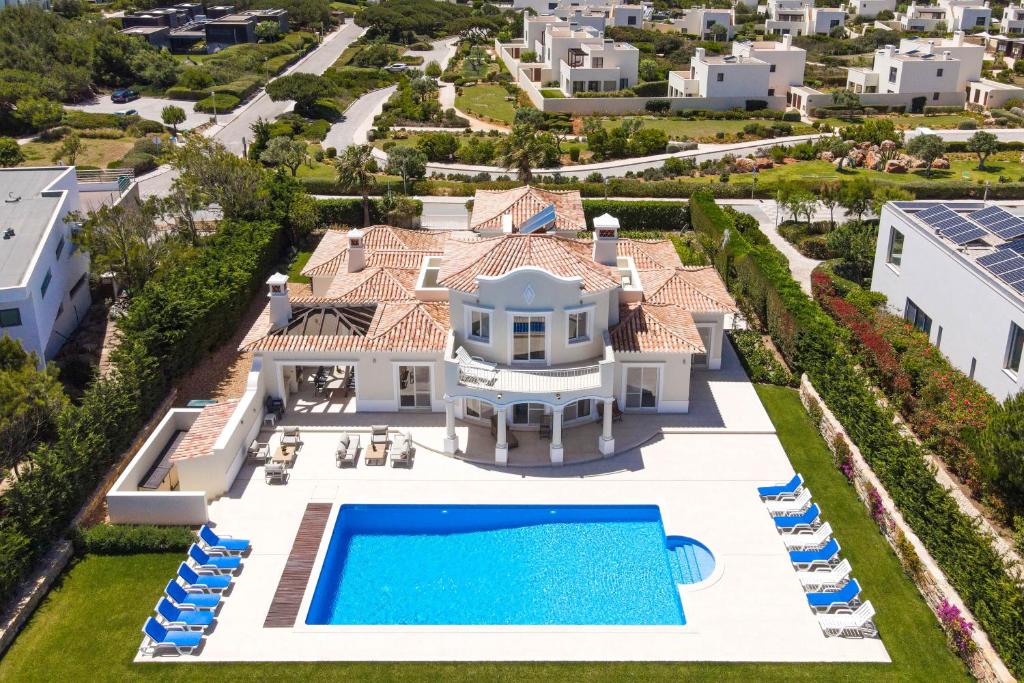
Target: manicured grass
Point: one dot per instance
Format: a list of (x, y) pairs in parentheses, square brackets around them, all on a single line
[(487, 101), (553, 93), (295, 270), (65, 640), (911, 120), (95, 152), (704, 130)]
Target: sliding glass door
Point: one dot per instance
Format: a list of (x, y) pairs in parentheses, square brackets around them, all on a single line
[(414, 387), (641, 388), (528, 341)]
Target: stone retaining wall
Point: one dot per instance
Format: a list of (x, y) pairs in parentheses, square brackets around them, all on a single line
[(986, 665)]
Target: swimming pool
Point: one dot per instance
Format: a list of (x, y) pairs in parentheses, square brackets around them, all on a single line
[(489, 564)]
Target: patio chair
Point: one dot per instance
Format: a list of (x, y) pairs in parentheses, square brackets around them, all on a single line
[(378, 434), (192, 598), (825, 557), (348, 449), (799, 524), (474, 369), (811, 541), (206, 563), (274, 406), (400, 452), (844, 600), (795, 506), (831, 579), (616, 412), (291, 437), (222, 544), (259, 450), (857, 624), (178, 619), (159, 638), (787, 491), (210, 583), (275, 471)]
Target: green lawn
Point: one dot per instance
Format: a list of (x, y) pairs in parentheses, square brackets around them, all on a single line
[(487, 101), (95, 152), (295, 270), (703, 130), (66, 640)]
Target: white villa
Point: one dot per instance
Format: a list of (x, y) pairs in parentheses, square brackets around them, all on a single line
[(801, 17), (614, 13), (763, 70), (870, 9), (953, 15), (698, 21), (576, 56), (1012, 21)]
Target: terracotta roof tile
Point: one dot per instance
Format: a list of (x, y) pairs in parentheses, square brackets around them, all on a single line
[(523, 203), (694, 288), (204, 431), (649, 254), (654, 328), (463, 263), (384, 245)]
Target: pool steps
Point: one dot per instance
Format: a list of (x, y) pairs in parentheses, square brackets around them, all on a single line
[(684, 565)]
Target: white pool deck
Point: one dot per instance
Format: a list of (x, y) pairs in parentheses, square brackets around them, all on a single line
[(703, 481)]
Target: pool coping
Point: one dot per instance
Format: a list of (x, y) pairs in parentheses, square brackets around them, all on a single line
[(321, 555)]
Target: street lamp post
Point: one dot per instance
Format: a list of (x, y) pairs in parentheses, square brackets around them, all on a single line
[(213, 100), (985, 198), (753, 185)]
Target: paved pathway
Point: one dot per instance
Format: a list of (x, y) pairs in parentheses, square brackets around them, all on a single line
[(765, 212), (148, 108)]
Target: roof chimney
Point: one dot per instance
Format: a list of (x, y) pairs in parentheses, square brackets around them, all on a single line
[(280, 306), (787, 41), (958, 37), (699, 54), (506, 223), (606, 239), (890, 50), (946, 55), (356, 252)]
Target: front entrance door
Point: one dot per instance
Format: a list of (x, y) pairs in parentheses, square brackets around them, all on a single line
[(642, 388), (414, 387)]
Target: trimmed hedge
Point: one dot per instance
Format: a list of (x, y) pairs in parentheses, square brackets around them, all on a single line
[(350, 212), (127, 539), (178, 92), (811, 341), (219, 102), (658, 216)]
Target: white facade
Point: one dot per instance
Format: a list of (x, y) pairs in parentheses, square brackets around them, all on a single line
[(870, 9), (698, 21), (800, 17), (44, 288), (893, 72), (753, 70), (954, 15), (969, 55), (616, 14), (969, 314), (1013, 20)]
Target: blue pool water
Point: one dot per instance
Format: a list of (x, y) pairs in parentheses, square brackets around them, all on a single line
[(689, 560), (487, 564)]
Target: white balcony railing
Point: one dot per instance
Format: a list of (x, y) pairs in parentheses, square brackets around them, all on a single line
[(531, 381)]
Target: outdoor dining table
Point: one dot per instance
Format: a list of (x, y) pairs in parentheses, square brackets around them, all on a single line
[(284, 455)]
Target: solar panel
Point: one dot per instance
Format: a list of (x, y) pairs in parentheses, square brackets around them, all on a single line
[(951, 225), (999, 221), (539, 220)]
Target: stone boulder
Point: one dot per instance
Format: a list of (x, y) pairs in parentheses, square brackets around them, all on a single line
[(941, 163), (856, 157), (873, 161), (826, 156), (895, 166), (763, 163), (745, 165), (916, 163)]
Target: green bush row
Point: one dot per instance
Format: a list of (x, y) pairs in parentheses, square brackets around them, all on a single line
[(350, 212), (657, 216), (129, 539), (760, 363), (812, 342), (219, 103), (180, 92)]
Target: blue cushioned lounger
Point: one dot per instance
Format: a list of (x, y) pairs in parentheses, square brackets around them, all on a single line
[(188, 619), (790, 487), (222, 544), (840, 598), (205, 601), (806, 558), (214, 583), (182, 642), (220, 564), (806, 519)]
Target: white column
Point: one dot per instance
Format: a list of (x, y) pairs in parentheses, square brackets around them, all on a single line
[(556, 437), (605, 442), (451, 440), (501, 447), (279, 389)]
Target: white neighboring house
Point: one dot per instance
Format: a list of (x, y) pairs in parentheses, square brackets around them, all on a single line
[(44, 278), (754, 70), (698, 21), (1013, 20), (800, 17), (869, 9), (961, 283), (955, 15), (616, 13)]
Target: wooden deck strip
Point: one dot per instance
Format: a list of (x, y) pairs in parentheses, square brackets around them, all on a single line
[(284, 608)]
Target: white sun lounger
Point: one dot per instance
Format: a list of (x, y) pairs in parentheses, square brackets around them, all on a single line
[(476, 369), (790, 507), (833, 578), (811, 541), (858, 624)]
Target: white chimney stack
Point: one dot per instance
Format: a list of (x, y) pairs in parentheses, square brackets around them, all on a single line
[(506, 223), (958, 37), (356, 252), (280, 306), (606, 239), (946, 55), (787, 41), (699, 54)]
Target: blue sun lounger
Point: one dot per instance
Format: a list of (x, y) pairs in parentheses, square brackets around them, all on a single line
[(790, 488), (211, 583), (217, 565), (806, 559), (160, 638), (222, 545), (184, 619), (840, 599), (191, 599), (804, 521)]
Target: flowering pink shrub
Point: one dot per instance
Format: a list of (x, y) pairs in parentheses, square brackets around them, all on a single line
[(957, 628), (877, 508)]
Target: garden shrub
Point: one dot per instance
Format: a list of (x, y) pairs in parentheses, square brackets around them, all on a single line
[(760, 363), (220, 103), (85, 120), (812, 342), (129, 539), (140, 162), (177, 92), (658, 216), (145, 127), (331, 212)]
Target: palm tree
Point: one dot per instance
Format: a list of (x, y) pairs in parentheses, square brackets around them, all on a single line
[(521, 150), (355, 168)]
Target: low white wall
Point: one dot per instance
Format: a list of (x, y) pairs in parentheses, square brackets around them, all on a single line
[(126, 504), (632, 105)]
